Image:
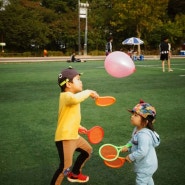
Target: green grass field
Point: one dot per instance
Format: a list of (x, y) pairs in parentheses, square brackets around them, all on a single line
[(28, 115)]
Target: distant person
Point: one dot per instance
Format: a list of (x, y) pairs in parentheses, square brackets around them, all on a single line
[(144, 141), (45, 53), (74, 59), (169, 57), (108, 47), (164, 54), (67, 139), (130, 52)]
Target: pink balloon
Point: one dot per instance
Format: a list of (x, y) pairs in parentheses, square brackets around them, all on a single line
[(119, 64)]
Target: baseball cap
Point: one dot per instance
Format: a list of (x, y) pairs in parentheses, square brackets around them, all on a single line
[(66, 75), (144, 109)]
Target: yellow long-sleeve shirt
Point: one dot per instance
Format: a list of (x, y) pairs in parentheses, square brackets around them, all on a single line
[(69, 115)]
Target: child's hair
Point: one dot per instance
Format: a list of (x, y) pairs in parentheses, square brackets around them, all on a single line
[(148, 122), (62, 88)]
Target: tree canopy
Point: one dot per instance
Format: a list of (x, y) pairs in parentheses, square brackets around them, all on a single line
[(53, 24)]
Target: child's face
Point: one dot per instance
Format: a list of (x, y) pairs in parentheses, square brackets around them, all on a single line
[(76, 85), (136, 120)]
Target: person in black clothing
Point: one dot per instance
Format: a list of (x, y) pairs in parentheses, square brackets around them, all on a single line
[(108, 47), (73, 59), (164, 53)]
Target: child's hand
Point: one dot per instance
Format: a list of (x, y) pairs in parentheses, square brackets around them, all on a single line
[(94, 94), (128, 159), (82, 130), (124, 149)]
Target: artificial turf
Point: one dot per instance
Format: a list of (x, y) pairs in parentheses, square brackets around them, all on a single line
[(28, 116)]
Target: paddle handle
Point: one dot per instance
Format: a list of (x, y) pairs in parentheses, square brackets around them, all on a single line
[(82, 131), (128, 145)]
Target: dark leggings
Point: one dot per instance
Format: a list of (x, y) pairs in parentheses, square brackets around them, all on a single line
[(77, 165)]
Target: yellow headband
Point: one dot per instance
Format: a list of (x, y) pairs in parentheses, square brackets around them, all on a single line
[(64, 82)]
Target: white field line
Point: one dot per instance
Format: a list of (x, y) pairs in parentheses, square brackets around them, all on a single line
[(159, 66), (155, 66)]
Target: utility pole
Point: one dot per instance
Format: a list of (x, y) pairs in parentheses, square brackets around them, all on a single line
[(83, 11)]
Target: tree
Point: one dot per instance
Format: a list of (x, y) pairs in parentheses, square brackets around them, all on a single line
[(22, 28), (176, 7), (100, 29), (53, 24), (65, 27), (139, 17)]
